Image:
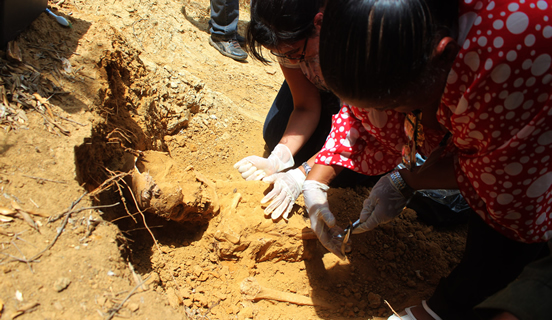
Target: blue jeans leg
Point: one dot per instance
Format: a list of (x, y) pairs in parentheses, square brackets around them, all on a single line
[(225, 15)]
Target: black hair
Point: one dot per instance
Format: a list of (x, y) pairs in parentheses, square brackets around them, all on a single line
[(277, 22), (381, 49)]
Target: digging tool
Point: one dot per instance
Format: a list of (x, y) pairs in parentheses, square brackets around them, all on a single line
[(61, 20)]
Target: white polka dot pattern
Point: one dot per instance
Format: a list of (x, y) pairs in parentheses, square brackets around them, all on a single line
[(368, 141), (497, 104)]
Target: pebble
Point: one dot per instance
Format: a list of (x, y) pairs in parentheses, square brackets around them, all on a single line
[(374, 299), (61, 284), (58, 305), (174, 300), (133, 306)]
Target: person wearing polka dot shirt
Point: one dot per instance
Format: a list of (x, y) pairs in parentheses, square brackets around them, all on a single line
[(477, 72)]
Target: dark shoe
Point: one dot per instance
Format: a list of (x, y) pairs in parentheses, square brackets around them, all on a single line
[(240, 39), (230, 48)]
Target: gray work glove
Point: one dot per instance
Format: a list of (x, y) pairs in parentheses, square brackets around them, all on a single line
[(384, 203)]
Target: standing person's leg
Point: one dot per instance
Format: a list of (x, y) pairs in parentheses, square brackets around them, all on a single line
[(224, 18), (224, 28), (490, 262)]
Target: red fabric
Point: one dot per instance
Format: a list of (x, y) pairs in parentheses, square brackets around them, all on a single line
[(496, 105)]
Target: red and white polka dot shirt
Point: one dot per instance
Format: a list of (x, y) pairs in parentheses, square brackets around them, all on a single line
[(497, 105)]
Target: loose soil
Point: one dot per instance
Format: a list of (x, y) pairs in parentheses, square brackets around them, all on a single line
[(133, 93)]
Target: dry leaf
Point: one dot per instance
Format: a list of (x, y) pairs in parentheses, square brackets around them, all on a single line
[(40, 98), (28, 307), (7, 211), (40, 214), (15, 205), (5, 218), (14, 53), (28, 219)]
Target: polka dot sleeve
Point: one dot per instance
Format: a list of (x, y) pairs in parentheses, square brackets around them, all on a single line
[(366, 141), (497, 106)]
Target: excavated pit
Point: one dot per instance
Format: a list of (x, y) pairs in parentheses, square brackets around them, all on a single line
[(180, 204), (211, 233)]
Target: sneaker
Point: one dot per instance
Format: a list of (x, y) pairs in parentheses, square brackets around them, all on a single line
[(230, 48), (240, 39)]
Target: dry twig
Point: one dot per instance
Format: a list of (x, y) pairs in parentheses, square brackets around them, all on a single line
[(107, 183), (118, 307), (67, 214), (41, 180), (390, 307)]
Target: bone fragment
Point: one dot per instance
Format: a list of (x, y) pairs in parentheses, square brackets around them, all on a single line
[(253, 291)]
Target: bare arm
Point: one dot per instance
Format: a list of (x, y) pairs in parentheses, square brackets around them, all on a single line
[(323, 173), (306, 113), (436, 173)]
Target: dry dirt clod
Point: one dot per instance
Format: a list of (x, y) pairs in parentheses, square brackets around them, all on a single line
[(62, 284), (174, 300)]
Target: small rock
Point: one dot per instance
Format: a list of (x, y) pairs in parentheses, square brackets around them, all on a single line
[(197, 270), (58, 305), (374, 300), (174, 300), (101, 300), (420, 235), (153, 280), (61, 284), (245, 313), (133, 306), (185, 293), (188, 302), (201, 299), (346, 292)]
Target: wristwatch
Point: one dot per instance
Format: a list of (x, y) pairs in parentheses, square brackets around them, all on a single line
[(399, 183), (306, 167)]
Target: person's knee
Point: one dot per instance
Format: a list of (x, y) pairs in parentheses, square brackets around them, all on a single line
[(505, 316)]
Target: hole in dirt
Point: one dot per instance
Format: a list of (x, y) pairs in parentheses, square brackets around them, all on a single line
[(139, 244), (114, 164)]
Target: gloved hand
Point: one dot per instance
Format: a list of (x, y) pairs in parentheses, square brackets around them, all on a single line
[(256, 168), (321, 218), (384, 203), (287, 188)]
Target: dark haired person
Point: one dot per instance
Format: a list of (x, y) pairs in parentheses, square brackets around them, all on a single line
[(299, 120), (477, 71)]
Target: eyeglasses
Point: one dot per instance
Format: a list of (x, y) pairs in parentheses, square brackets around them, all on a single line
[(415, 133), (285, 56)]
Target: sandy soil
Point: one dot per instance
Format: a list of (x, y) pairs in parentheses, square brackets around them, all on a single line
[(139, 78)]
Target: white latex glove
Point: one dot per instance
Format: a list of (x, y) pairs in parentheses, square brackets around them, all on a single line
[(287, 188), (256, 168), (321, 218), (384, 203)]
